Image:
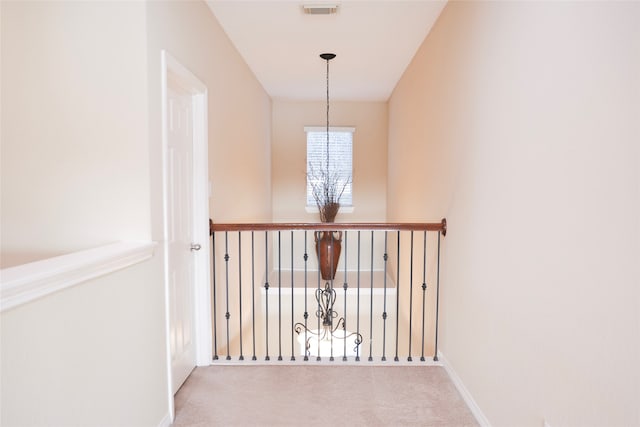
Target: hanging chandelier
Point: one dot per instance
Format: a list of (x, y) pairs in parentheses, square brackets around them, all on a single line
[(333, 337), (327, 185), (327, 57), (322, 341)]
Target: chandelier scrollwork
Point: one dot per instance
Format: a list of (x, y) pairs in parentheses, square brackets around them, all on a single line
[(330, 330)]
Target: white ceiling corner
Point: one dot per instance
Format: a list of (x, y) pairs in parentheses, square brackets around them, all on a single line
[(374, 42)]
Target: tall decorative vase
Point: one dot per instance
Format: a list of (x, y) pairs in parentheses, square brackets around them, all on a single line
[(328, 248)]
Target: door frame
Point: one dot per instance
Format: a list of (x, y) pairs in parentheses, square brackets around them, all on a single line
[(170, 67)]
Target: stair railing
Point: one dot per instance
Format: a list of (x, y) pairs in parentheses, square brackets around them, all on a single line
[(270, 297)]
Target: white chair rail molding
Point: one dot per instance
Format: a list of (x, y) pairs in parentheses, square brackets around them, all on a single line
[(25, 283)]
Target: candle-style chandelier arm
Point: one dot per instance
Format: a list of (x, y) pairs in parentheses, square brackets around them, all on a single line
[(326, 298)]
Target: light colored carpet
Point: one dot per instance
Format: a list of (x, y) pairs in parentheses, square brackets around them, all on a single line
[(320, 396)]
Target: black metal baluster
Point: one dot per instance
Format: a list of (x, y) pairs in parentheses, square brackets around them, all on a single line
[(240, 289), (345, 286), (306, 312), (215, 317), (435, 352), (371, 306), (279, 298), (292, 322), (384, 302), (253, 297), (409, 359), (226, 259), (424, 288), (331, 252), (318, 236), (397, 297), (358, 301), (266, 292)]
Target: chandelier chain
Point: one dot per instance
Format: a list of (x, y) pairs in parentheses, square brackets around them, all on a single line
[(327, 117)]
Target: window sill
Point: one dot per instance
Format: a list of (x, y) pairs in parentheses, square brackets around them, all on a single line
[(343, 209)]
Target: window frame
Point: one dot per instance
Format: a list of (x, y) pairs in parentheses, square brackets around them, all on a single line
[(310, 208)]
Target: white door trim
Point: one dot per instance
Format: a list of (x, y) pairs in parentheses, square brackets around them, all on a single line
[(170, 67)]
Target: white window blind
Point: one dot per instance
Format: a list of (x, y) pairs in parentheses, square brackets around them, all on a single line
[(340, 159)]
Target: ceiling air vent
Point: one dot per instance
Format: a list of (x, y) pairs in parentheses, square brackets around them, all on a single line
[(320, 9)]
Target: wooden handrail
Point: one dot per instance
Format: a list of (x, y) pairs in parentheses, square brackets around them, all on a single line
[(388, 226)]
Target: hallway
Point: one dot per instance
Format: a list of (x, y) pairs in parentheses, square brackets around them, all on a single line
[(320, 396)]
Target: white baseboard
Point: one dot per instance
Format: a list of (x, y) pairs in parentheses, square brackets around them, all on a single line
[(166, 421), (464, 392)]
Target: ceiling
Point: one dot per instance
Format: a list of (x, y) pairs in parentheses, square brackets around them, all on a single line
[(374, 42)]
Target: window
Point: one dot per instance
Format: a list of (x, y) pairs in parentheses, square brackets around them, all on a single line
[(340, 159)]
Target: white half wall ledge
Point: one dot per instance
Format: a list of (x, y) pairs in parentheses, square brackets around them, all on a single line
[(28, 282), (464, 392), (166, 421)]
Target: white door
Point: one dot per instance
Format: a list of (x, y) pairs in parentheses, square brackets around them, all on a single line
[(181, 246)]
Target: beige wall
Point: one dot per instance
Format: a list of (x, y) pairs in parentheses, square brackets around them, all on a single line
[(524, 118), (75, 174), (289, 157), (81, 166), (92, 355), (239, 110), (239, 128), (75, 168)]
